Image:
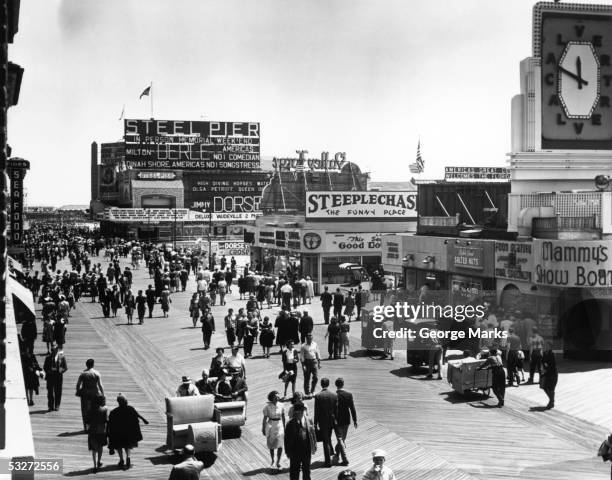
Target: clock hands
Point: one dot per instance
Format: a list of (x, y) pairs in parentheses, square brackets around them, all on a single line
[(576, 76)]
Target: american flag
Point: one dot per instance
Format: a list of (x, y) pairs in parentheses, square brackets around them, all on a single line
[(418, 166)]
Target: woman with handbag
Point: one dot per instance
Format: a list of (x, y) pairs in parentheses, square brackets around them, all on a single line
[(273, 427), (550, 375)]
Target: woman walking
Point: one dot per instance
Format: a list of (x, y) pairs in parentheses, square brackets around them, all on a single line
[(96, 434), (31, 375), (344, 336), (194, 309), (115, 301), (273, 427), (141, 306), (290, 360), (349, 306), (130, 305), (266, 337), (124, 430), (165, 301), (222, 289), (550, 375)]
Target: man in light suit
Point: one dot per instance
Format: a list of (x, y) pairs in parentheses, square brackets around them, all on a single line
[(326, 412)]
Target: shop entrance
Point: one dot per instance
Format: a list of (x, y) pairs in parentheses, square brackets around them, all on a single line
[(587, 330)]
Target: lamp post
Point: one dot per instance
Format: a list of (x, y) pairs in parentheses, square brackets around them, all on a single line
[(174, 229)]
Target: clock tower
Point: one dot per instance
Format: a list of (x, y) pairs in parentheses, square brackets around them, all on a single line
[(562, 119)]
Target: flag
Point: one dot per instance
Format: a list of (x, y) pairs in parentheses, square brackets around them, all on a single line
[(122, 113), (146, 92), (418, 166)]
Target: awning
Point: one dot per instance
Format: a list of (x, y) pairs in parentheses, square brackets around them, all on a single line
[(21, 299)]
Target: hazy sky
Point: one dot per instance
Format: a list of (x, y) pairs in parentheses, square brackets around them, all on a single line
[(364, 77)]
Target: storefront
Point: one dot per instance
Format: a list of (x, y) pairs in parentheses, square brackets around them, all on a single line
[(472, 270), (576, 278), (317, 253)]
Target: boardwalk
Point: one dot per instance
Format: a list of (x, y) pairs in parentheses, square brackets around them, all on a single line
[(428, 432)]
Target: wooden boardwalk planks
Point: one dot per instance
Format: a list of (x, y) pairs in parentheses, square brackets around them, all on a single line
[(428, 433)]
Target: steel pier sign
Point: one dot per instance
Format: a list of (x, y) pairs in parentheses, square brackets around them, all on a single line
[(191, 145)]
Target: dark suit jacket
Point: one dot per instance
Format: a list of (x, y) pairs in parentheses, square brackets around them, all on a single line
[(306, 324), (51, 368), (346, 408), (326, 409), (326, 299), (293, 445)]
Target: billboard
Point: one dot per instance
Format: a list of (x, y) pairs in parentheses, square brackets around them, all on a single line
[(191, 145), (484, 174), (513, 260), (350, 205), (225, 194), (112, 153), (562, 263)]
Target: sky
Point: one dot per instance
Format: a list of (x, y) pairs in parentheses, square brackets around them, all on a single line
[(365, 77)]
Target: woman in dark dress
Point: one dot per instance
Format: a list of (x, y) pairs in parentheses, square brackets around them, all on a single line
[(494, 363), (124, 430), (550, 375), (141, 306), (31, 375), (130, 305), (266, 338), (115, 300), (96, 433)]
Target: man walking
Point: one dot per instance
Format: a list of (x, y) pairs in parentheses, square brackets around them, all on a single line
[(338, 303), (88, 387), (326, 412), (536, 349), (54, 367), (346, 410), (326, 303), (360, 300), (306, 326), (311, 362), (150, 293), (514, 345), (300, 443)]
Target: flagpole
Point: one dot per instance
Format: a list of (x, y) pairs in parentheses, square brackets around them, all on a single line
[(151, 95)]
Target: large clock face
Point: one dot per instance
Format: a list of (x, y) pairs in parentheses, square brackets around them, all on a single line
[(576, 54)]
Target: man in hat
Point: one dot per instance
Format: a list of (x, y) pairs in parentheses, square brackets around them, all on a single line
[(300, 443), (189, 468), (186, 388), (378, 471), (326, 418)]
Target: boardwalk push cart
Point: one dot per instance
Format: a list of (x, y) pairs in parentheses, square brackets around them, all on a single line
[(464, 376)]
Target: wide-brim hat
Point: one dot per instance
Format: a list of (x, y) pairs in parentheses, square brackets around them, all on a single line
[(185, 379)]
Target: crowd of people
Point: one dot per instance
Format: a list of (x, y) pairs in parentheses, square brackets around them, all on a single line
[(109, 281)]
